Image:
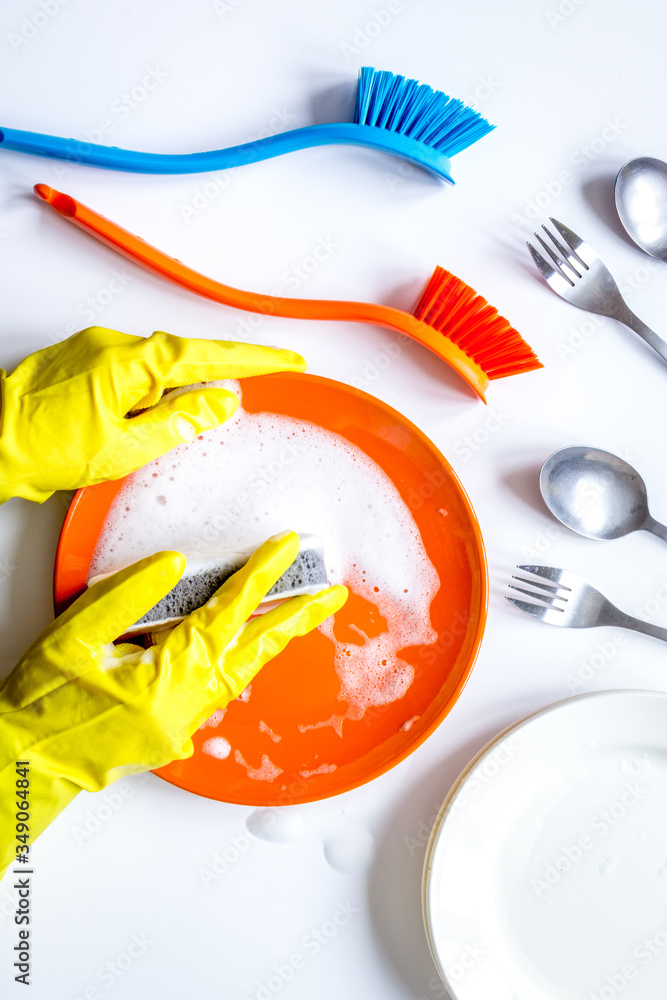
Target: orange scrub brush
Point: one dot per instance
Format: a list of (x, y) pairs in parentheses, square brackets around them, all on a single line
[(450, 318)]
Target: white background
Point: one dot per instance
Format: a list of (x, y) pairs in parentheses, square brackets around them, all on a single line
[(550, 81)]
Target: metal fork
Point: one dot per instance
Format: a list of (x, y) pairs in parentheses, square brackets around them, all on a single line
[(576, 273), (568, 600)]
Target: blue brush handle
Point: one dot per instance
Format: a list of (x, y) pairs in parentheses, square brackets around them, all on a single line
[(91, 154)]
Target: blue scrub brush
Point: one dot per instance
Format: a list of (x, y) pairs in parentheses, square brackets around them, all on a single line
[(398, 116)]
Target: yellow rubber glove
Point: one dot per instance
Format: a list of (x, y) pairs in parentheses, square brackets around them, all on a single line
[(84, 712), (64, 420)]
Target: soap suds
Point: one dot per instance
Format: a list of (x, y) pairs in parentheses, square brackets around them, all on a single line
[(262, 473), (215, 719), (335, 721), (322, 769), (267, 771), (217, 746), (263, 728)]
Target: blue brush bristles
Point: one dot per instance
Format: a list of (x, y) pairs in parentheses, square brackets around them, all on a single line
[(416, 110)]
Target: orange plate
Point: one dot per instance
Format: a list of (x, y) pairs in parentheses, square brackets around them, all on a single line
[(376, 742)]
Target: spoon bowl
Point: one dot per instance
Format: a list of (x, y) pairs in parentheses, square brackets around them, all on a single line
[(596, 494), (641, 202)]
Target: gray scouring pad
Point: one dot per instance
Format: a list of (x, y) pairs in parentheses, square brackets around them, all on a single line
[(306, 575)]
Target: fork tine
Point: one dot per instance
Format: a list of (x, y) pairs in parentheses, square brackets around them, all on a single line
[(555, 258), (547, 599), (536, 610), (573, 241), (543, 266), (539, 611), (547, 572), (542, 586), (567, 254)]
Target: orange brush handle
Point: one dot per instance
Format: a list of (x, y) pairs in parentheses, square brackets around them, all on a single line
[(143, 253)]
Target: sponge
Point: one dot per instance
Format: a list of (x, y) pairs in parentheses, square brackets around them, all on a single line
[(204, 574)]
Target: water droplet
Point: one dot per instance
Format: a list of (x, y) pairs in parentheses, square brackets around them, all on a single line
[(349, 850), (278, 826), (609, 864)]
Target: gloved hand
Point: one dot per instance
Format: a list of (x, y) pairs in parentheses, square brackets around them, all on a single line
[(84, 712), (64, 420)]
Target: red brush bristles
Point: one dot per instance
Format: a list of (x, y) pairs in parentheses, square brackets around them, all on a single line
[(456, 310)]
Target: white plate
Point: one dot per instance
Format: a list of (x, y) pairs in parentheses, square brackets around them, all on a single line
[(546, 872)]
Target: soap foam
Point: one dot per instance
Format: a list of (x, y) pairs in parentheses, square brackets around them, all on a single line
[(267, 770), (217, 746), (322, 769), (215, 719), (262, 473), (263, 728)]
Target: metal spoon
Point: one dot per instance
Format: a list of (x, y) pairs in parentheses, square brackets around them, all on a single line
[(641, 202), (596, 494)]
